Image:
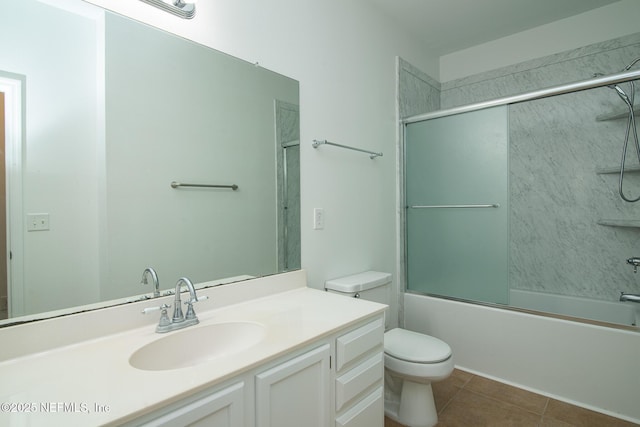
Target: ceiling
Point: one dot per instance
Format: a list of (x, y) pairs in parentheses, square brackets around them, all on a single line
[(447, 26)]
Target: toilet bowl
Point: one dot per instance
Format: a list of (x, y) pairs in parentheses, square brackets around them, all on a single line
[(411, 360)]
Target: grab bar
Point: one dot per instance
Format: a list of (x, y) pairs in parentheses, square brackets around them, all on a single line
[(372, 154), (494, 205), (176, 184)]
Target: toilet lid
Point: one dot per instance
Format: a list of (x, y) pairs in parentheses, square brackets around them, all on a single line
[(415, 347)]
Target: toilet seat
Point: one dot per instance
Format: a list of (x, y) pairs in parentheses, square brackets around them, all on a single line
[(415, 347)]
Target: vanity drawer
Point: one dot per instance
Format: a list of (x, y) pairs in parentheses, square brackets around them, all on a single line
[(359, 341), (359, 379), (369, 412)]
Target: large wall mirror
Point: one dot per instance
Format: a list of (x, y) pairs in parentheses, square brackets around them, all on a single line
[(101, 115)]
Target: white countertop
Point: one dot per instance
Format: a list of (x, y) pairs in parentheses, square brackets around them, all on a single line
[(78, 379)]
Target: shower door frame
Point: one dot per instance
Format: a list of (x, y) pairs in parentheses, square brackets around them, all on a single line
[(593, 83), (578, 86)]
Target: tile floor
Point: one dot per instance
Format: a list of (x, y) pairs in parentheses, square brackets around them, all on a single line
[(468, 400)]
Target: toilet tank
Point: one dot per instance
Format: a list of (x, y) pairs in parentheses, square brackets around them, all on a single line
[(370, 285)]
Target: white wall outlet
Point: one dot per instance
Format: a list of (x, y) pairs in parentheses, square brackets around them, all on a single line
[(318, 218), (38, 222)]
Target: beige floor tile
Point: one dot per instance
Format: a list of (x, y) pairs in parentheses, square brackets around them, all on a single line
[(388, 422), (550, 422), (459, 378), (443, 393), (581, 417), (522, 398), (467, 400), (445, 390), (473, 409)]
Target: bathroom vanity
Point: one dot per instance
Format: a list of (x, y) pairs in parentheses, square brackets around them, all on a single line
[(287, 356)]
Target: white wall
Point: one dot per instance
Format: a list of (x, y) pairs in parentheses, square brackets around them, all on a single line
[(605, 23)]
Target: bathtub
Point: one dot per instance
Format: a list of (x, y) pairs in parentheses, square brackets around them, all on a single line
[(625, 313)]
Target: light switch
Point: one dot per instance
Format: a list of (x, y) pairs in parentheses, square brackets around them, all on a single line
[(318, 219), (38, 222)]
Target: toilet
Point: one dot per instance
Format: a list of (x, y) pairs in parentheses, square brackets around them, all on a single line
[(411, 360)]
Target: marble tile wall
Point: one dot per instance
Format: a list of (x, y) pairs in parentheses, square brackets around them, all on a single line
[(556, 195), (579, 64), (287, 118), (417, 92)]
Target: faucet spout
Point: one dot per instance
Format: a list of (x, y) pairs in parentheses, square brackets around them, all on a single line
[(149, 271), (179, 319), (629, 297), (190, 287), (178, 315)]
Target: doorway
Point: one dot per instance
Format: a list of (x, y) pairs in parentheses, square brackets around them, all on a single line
[(12, 87), (4, 294)]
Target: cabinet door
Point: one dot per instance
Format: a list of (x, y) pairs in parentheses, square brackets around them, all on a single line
[(221, 409), (295, 393)]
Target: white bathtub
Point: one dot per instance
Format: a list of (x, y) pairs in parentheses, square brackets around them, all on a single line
[(625, 313)]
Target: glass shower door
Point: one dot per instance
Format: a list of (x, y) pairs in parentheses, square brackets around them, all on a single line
[(456, 186)]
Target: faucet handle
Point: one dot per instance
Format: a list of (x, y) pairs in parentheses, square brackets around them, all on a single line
[(164, 317), (163, 307), (198, 299), (191, 314), (635, 261), (148, 310)]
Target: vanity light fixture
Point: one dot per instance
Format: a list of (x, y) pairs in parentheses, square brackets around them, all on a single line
[(176, 7)]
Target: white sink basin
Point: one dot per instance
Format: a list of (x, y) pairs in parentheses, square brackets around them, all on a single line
[(197, 344)]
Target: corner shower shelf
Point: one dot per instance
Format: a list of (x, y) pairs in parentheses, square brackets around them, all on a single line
[(615, 116), (616, 169), (628, 223)]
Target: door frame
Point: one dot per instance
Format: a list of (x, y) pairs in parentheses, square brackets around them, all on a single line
[(14, 88)]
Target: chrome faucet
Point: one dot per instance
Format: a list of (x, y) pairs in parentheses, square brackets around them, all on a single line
[(629, 297), (154, 277), (635, 261), (177, 309), (178, 320)]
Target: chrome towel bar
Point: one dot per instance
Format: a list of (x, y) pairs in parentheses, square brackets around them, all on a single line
[(372, 154), (494, 205), (176, 184)]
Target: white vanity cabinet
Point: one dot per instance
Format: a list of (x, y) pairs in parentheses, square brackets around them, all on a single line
[(335, 381), (359, 393), (223, 408), (297, 392)]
